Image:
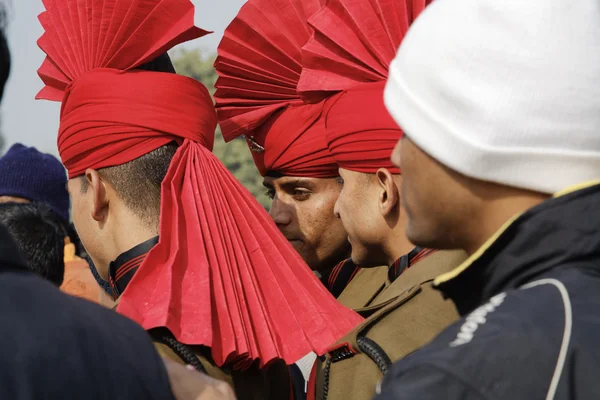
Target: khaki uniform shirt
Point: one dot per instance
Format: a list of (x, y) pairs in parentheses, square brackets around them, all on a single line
[(401, 316)]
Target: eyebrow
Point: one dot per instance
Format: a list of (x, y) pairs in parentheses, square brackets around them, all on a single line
[(299, 182), (290, 182)]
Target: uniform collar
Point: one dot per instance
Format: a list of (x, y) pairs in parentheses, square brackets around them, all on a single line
[(406, 261), (124, 267), (340, 276), (542, 238)]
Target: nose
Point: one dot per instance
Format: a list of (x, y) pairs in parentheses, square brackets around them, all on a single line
[(280, 213), (396, 154)]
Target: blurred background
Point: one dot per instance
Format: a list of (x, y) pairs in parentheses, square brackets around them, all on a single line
[(35, 123)]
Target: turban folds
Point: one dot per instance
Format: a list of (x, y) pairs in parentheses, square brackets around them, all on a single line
[(360, 132), (221, 274), (259, 65), (293, 143), (102, 127), (347, 60)]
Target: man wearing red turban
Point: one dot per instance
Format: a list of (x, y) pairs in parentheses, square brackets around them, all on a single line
[(191, 255), (259, 65), (345, 64)]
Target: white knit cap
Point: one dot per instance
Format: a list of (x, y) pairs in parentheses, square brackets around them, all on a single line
[(506, 91)]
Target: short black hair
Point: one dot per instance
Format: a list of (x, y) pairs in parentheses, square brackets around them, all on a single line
[(161, 63), (40, 234), (138, 182)]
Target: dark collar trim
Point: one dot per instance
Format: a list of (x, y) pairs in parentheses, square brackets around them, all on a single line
[(122, 270), (340, 276), (407, 261)]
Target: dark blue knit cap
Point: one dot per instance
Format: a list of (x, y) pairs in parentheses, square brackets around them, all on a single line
[(27, 173)]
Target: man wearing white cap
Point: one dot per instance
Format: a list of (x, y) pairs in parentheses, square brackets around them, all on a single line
[(500, 106)]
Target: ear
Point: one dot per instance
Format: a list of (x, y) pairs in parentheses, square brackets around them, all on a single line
[(99, 196), (389, 198)]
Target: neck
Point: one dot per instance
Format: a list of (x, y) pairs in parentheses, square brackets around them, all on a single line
[(397, 244), (127, 240), (127, 233), (496, 212)]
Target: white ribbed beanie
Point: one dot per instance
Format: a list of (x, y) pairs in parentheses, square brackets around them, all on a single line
[(504, 91)]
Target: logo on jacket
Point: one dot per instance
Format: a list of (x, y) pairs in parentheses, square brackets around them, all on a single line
[(475, 319)]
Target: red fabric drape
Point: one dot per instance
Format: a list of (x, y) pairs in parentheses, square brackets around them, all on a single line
[(233, 282), (221, 275)]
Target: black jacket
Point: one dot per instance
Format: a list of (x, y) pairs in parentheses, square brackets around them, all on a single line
[(530, 304), (55, 346)]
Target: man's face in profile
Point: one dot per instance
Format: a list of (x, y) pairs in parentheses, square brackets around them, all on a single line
[(302, 209)]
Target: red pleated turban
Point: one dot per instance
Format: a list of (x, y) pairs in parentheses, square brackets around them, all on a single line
[(347, 61), (259, 65), (294, 144), (102, 127), (361, 134)]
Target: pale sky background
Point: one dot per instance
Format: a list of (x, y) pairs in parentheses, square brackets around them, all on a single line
[(35, 122)]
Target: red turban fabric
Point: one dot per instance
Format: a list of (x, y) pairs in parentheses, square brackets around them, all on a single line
[(294, 144), (221, 274), (102, 127), (360, 132), (350, 52), (259, 65)]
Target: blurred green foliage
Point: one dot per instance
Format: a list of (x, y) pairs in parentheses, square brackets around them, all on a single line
[(235, 155)]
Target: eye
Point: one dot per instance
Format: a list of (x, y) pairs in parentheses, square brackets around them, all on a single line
[(270, 193), (301, 194), (340, 180)]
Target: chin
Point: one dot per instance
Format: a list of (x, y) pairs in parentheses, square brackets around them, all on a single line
[(415, 235), (418, 240), (423, 238)]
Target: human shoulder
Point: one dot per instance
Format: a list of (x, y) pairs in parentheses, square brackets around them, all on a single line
[(508, 347), (427, 382), (48, 335)]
